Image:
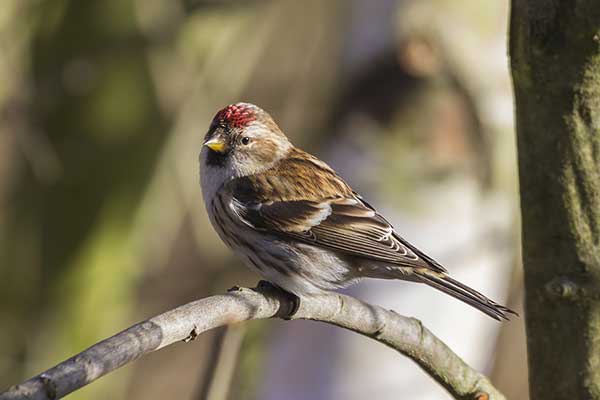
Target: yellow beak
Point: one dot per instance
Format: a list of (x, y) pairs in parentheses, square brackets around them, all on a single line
[(216, 145)]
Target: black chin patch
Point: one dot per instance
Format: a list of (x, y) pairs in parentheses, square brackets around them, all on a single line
[(216, 159)]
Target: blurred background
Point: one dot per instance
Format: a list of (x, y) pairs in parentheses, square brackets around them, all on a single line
[(103, 107)]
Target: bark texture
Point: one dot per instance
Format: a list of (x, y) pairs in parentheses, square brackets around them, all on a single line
[(555, 60), (406, 335)]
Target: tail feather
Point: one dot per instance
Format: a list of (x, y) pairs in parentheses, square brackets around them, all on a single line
[(464, 293)]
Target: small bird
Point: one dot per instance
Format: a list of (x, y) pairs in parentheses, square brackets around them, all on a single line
[(297, 223)]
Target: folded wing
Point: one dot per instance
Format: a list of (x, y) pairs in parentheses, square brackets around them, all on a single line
[(345, 224)]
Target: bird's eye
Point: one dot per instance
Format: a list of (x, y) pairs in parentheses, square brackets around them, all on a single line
[(245, 140)]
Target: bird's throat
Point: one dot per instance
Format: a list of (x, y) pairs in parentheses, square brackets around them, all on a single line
[(215, 159)]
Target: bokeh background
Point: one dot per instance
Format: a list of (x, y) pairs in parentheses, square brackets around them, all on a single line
[(103, 107)]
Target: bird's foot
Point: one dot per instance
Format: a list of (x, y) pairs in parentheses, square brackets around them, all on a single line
[(289, 307)]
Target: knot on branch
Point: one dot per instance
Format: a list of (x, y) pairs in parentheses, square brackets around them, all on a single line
[(563, 288), (193, 334), (49, 386)]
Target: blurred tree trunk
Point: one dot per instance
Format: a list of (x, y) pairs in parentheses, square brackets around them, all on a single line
[(555, 59)]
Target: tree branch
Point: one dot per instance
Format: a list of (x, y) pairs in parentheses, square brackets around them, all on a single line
[(406, 335)]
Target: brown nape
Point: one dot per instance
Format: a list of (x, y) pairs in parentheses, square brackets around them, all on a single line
[(267, 152), (267, 121)]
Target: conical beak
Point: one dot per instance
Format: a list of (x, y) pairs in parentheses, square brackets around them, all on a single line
[(216, 144)]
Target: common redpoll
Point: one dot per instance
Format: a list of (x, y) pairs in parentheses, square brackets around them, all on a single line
[(293, 220)]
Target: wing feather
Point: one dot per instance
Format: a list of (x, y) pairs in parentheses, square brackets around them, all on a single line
[(326, 212), (359, 231)]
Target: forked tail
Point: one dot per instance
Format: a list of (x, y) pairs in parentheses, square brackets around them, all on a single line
[(464, 293)]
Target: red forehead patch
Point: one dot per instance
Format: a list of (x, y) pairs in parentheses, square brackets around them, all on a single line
[(236, 115)]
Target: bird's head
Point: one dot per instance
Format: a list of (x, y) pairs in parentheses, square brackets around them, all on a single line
[(242, 140)]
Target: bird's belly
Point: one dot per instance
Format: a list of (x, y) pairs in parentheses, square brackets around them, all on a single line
[(294, 266), (299, 268)]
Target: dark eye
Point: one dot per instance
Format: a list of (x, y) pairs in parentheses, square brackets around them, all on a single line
[(245, 140)]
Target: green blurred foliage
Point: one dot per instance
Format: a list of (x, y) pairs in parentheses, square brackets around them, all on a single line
[(93, 103)]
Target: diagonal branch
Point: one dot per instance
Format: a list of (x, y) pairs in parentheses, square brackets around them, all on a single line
[(406, 335)]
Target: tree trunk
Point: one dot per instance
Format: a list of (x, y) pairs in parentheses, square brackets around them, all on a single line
[(555, 60)]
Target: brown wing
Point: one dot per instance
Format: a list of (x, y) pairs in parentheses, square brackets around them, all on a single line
[(305, 200)]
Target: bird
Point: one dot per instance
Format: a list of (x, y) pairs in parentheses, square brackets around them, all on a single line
[(293, 220)]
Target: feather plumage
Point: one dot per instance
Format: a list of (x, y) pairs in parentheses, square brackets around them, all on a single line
[(326, 212), (293, 219)]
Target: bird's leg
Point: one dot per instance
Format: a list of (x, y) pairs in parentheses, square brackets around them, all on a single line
[(293, 301)]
